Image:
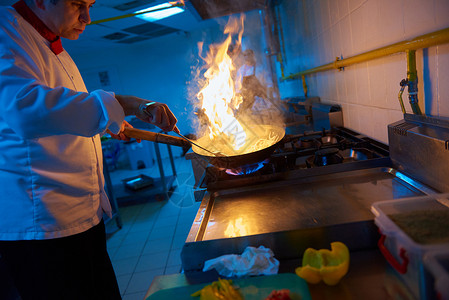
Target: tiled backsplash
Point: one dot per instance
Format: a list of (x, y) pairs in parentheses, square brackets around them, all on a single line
[(367, 92)]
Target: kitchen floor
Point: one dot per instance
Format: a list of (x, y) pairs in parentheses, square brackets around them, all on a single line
[(153, 233)]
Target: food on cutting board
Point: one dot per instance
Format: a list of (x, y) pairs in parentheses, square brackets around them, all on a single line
[(218, 290), (327, 265), (424, 226), (283, 294)]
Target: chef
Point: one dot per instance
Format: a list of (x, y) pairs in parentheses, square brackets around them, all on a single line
[(52, 198)]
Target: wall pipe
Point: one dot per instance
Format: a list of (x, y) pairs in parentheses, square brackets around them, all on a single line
[(423, 41), (412, 81)]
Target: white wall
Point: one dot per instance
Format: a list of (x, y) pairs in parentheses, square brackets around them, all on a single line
[(318, 31)]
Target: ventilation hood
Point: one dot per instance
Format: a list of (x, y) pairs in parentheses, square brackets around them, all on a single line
[(209, 9)]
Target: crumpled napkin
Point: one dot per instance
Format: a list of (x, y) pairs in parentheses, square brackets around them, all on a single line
[(253, 261)]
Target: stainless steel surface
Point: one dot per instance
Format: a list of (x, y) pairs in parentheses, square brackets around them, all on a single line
[(419, 146), (292, 210), (326, 116), (311, 202), (291, 215)]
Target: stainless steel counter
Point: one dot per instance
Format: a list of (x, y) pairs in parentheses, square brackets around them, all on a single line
[(295, 213), (291, 211)]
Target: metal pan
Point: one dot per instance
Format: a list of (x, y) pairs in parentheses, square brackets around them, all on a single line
[(222, 161), (233, 161)]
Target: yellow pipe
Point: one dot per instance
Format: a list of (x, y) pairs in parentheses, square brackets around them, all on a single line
[(304, 85), (401, 102), (135, 14), (412, 81), (281, 62), (423, 41), (412, 73)]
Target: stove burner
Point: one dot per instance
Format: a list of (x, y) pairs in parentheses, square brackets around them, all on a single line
[(329, 140), (308, 141), (246, 169), (326, 148), (324, 157)]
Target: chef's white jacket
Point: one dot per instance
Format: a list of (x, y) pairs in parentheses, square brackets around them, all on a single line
[(51, 178)]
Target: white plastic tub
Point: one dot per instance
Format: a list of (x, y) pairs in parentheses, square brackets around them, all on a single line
[(403, 253), (437, 263)]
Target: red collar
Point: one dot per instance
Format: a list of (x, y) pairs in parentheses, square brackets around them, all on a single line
[(30, 17)]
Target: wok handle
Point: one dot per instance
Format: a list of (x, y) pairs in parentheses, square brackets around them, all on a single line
[(155, 137)]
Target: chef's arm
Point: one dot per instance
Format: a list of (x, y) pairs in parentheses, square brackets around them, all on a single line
[(151, 112), (35, 111), (32, 109)]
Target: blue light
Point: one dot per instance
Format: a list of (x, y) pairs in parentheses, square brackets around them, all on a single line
[(160, 14)]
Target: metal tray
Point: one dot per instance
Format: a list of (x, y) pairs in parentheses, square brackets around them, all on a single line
[(289, 216)]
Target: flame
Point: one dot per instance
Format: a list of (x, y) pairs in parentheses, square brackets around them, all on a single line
[(247, 169), (218, 98), (236, 228)]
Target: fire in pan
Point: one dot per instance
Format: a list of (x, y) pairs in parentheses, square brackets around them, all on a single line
[(260, 142)]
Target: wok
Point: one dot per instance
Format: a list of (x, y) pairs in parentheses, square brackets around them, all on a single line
[(227, 159)]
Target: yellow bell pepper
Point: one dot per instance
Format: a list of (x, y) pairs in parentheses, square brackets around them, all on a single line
[(327, 265), (218, 290)]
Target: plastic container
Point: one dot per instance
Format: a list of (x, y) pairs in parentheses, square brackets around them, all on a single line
[(437, 263), (403, 253), (141, 155)]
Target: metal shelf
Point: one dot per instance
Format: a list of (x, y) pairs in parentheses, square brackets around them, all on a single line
[(160, 189)]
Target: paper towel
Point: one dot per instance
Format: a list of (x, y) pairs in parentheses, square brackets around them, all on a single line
[(253, 261)]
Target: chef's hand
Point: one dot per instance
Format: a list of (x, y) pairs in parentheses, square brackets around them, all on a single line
[(120, 135), (151, 112), (158, 114)]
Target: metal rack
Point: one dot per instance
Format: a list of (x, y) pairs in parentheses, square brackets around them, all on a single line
[(160, 190)]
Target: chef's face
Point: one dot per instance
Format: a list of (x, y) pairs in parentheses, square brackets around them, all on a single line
[(66, 18)]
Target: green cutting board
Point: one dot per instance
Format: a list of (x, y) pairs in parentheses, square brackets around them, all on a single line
[(251, 288)]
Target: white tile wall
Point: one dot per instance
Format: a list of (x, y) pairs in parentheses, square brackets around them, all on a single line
[(355, 4), (392, 16), (368, 92), (346, 36), (351, 85), (441, 13), (419, 17), (429, 85), (362, 84)]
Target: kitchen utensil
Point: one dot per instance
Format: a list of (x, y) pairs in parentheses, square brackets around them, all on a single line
[(193, 143), (144, 109), (222, 161), (155, 137)]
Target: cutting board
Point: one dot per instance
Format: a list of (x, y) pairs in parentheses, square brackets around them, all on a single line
[(252, 288)]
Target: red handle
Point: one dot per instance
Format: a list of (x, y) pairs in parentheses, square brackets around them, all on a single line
[(401, 268)]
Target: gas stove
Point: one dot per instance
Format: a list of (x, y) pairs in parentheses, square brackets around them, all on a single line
[(296, 152)]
